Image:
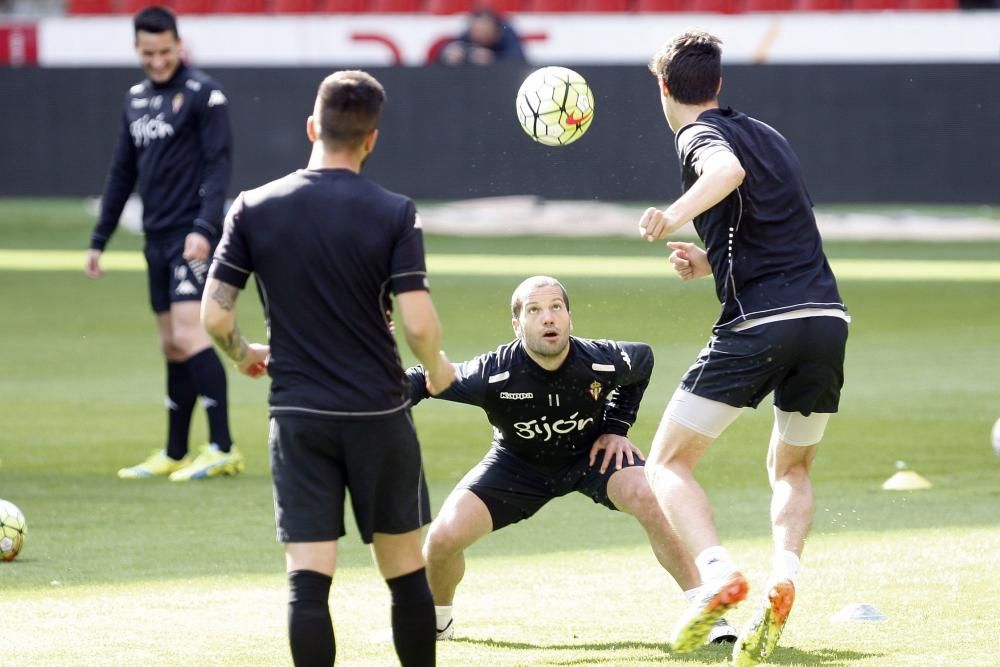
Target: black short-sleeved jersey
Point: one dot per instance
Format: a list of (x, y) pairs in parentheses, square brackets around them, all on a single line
[(327, 246), (550, 418), (762, 240), (174, 143)]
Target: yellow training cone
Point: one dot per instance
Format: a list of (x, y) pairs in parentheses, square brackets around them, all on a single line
[(906, 480)]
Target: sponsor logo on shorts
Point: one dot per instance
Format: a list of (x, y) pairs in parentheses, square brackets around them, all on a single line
[(516, 396)]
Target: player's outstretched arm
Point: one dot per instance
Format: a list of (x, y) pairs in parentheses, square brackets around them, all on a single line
[(218, 316), (423, 334)]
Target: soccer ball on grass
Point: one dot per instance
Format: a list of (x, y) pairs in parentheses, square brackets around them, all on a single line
[(555, 106), (13, 529)]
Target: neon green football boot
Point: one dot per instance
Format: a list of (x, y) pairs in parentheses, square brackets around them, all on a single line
[(759, 638), (714, 600), (157, 465), (211, 462)]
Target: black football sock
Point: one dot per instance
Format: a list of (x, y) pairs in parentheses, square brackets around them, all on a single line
[(413, 631), (310, 629), (210, 379), (181, 398)]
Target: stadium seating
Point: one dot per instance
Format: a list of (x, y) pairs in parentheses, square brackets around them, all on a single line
[(605, 6), (300, 6), (819, 5), (768, 5), (341, 6), (929, 5), (443, 7), (232, 6), (549, 6), (192, 6), (89, 7), (659, 5)]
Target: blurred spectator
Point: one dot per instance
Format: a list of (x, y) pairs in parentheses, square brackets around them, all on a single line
[(487, 39)]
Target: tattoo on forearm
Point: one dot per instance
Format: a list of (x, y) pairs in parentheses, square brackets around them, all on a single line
[(225, 295), (232, 343)]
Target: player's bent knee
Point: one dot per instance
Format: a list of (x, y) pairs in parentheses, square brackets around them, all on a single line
[(444, 541)]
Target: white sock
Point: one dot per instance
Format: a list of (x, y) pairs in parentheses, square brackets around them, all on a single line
[(443, 614), (786, 565), (691, 594), (714, 563)]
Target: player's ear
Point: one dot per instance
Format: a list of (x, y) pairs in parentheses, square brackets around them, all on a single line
[(370, 141), (516, 326), (718, 89), (663, 87), (311, 130)]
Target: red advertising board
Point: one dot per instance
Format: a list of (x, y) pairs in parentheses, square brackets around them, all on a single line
[(18, 44)]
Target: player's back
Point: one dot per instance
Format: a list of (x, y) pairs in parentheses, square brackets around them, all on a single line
[(324, 245), (762, 240)]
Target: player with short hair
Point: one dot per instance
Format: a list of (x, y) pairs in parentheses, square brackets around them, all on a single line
[(556, 402), (327, 248), (783, 328), (174, 145)]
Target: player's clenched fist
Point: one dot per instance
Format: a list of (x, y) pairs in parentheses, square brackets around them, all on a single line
[(688, 260), (652, 224)]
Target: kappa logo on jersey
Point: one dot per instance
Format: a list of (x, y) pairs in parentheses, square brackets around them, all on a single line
[(516, 396), (626, 359), (140, 103), (595, 389), (145, 130), (217, 99), (417, 223), (541, 427)]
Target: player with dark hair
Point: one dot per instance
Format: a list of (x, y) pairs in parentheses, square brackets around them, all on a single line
[(783, 328), (556, 402), (174, 145), (327, 247)]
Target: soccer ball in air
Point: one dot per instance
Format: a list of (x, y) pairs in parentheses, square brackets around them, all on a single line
[(12, 530), (555, 106)]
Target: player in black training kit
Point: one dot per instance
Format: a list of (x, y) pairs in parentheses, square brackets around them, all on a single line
[(783, 328), (327, 247), (555, 402), (174, 144)]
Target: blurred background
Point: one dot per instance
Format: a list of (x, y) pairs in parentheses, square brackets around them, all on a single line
[(884, 100)]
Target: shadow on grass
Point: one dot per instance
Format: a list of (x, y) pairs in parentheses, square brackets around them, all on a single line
[(713, 654)]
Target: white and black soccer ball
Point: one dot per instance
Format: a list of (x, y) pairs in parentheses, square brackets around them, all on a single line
[(13, 529), (555, 106)]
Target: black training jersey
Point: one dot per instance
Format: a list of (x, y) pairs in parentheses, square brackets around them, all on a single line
[(174, 145), (327, 247), (762, 240), (549, 418)]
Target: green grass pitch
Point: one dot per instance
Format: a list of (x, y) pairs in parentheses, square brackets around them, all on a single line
[(154, 573)]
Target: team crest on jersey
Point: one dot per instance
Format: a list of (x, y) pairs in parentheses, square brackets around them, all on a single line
[(177, 102), (595, 389)]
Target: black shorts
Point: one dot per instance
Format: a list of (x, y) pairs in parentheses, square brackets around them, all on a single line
[(513, 490), (171, 277), (314, 461), (800, 360)]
